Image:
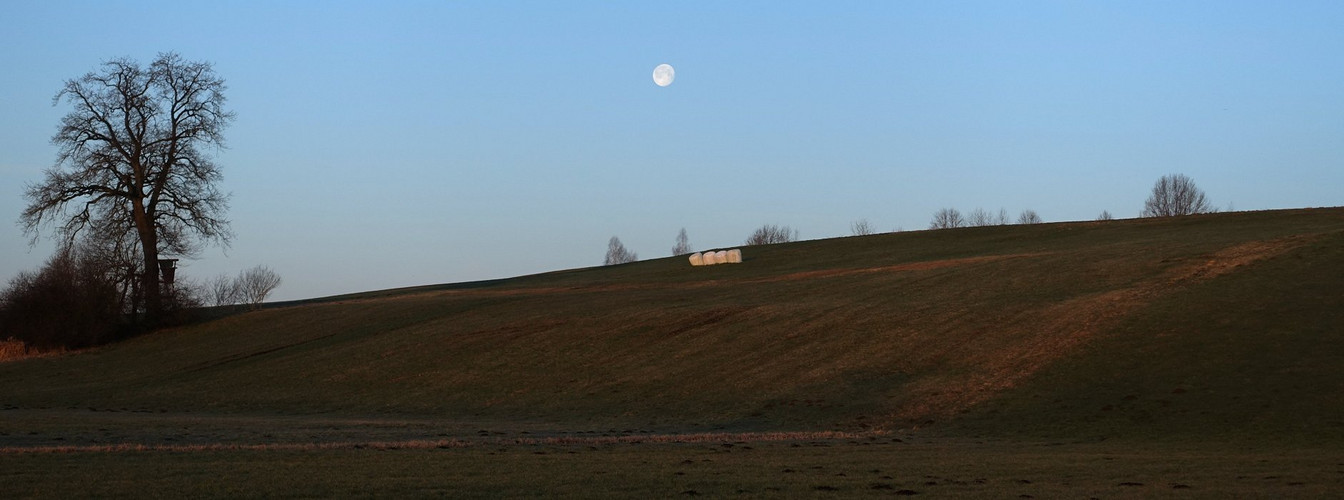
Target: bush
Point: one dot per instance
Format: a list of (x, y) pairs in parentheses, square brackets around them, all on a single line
[(70, 303), (771, 233), (860, 227), (182, 302)]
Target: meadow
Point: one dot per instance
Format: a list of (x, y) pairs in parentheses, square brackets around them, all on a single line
[(1174, 357)]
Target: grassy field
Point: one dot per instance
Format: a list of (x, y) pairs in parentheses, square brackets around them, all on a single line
[(1194, 357), (791, 469)]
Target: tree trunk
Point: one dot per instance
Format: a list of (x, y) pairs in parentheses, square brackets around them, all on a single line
[(149, 279), (153, 294)]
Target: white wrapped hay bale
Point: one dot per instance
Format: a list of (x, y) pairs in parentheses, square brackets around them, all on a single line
[(696, 260), (721, 257), (710, 258), (735, 256)]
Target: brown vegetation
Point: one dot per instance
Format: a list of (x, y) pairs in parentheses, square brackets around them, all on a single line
[(1053, 332)]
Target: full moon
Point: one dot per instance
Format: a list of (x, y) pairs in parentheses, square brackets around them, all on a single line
[(663, 75)]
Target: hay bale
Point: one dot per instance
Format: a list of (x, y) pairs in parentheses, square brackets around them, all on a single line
[(735, 256), (696, 260), (721, 257), (710, 259)]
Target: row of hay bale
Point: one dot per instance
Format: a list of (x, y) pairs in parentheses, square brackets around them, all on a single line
[(733, 256)]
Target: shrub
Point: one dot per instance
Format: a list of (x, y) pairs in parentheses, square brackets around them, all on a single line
[(771, 233), (69, 303), (860, 227)]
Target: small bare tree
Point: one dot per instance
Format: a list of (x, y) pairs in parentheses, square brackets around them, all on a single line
[(1002, 218), (947, 218), (860, 227), (771, 233), (253, 285), (683, 245), (1105, 215), (979, 217), (1029, 216), (1173, 195), (222, 290), (617, 254)]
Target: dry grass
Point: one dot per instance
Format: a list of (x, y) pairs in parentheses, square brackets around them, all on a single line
[(1058, 330), (12, 349), (424, 444)]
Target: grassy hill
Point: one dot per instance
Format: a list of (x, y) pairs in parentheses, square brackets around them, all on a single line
[(1205, 326)]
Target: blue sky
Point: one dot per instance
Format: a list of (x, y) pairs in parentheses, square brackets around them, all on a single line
[(391, 144)]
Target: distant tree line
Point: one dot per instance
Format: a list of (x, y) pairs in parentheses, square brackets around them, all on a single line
[(1172, 195), (948, 218)]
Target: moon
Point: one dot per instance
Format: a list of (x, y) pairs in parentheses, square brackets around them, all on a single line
[(663, 75)]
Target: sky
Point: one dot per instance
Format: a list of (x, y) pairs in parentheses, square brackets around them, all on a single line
[(389, 144)]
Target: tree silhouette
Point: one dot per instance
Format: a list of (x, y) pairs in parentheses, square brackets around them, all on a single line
[(771, 233), (1029, 217), (947, 218), (861, 227), (1175, 194), (133, 160), (683, 245), (617, 254)]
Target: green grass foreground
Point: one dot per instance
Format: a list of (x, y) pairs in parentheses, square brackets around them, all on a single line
[(1186, 357)]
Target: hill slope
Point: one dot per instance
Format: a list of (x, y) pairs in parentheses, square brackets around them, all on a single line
[(1204, 325)]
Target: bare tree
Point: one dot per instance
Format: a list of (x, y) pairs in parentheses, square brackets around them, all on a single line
[(860, 227), (1175, 194), (771, 233), (1029, 216), (1105, 215), (132, 159), (223, 290), (253, 285), (617, 254), (1002, 218), (947, 218), (683, 245), (979, 217)]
